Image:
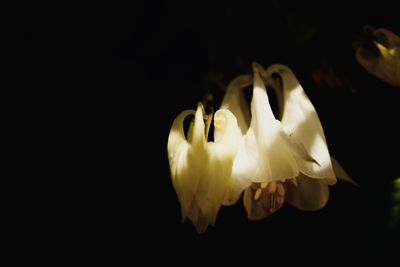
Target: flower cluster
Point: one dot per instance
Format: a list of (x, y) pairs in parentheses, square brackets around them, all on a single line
[(272, 160)]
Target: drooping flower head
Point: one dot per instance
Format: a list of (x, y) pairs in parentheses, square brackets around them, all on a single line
[(201, 170), (278, 160)]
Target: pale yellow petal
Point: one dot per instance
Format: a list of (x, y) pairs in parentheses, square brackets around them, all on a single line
[(198, 136), (244, 168), (201, 170), (235, 101), (274, 158), (178, 156), (217, 170), (300, 121)]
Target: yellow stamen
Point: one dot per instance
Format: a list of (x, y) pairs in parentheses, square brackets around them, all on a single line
[(264, 185), (272, 187), (257, 195)]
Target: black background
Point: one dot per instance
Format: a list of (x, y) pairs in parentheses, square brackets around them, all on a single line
[(166, 57)]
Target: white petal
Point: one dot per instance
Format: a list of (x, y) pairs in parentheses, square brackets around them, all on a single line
[(217, 169), (310, 194), (274, 159), (297, 147), (263, 152), (236, 186), (200, 170), (261, 111), (244, 168), (198, 136), (301, 121), (178, 147), (235, 101), (244, 165)]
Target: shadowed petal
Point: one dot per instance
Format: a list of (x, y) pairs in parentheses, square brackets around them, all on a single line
[(383, 58), (264, 206), (310, 194)]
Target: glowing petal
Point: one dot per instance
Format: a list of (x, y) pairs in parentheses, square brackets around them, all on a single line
[(218, 168), (274, 158), (200, 170), (244, 168), (178, 147), (301, 124), (235, 101), (264, 154)]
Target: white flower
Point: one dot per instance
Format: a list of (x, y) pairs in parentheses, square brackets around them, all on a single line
[(278, 160), (270, 160), (201, 170)]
